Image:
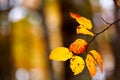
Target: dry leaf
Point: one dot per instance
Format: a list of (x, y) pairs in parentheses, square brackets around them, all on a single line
[(91, 65), (78, 46), (77, 64), (60, 54), (82, 30), (82, 20), (98, 58)]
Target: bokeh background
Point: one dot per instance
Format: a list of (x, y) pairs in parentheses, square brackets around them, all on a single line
[(30, 29)]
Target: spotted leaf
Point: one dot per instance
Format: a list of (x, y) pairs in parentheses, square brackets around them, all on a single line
[(91, 65), (98, 58), (78, 46), (77, 64)]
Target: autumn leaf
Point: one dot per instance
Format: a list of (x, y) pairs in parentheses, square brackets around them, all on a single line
[(81, 30), (77, 64), (60, 54), (91, 65), (82, 20), (74, 16), (78, 46), (98, 58)]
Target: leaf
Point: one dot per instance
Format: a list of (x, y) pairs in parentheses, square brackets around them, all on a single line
[(78, 46), (60, 54), (82, 30), (82, 20), (77, 64), (98, 58), (74, 16), (91, 65)]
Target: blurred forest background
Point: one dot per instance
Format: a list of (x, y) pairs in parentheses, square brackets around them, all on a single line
[(30, 29)]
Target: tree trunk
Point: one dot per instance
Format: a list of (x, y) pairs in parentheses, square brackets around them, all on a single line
[(116, 47)]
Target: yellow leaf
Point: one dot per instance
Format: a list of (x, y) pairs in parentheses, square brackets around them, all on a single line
[(78, 46), (60, 54), (98, 58), (82, 20), (77, 64), (91, 65), (82, 30)]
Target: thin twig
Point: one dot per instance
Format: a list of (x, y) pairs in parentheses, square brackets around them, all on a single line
[(96, 34), (105, 21)]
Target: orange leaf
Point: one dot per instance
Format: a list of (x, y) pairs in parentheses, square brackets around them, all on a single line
[(98, 58), (60, 54), (74, 16), (91, 65), (82, 20), (78, 46), (82, 30), (77, 64)]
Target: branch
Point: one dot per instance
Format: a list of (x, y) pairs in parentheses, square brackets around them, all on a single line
[(97, 34), (105, 21)]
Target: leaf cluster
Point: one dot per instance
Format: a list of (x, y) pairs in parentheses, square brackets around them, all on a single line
[(78, 47)]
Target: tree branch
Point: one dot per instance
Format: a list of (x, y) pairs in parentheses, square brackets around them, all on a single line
[(97, 34), (105, 21)]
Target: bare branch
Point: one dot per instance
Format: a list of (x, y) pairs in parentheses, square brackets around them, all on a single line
[(105, 21), (97, 34)]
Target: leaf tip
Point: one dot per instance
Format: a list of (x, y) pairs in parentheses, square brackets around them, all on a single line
[(74, 16)]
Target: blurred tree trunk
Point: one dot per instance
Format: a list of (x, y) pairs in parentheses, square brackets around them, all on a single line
[(52, 13), (5, 55), (116, 46), (28, 46)]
